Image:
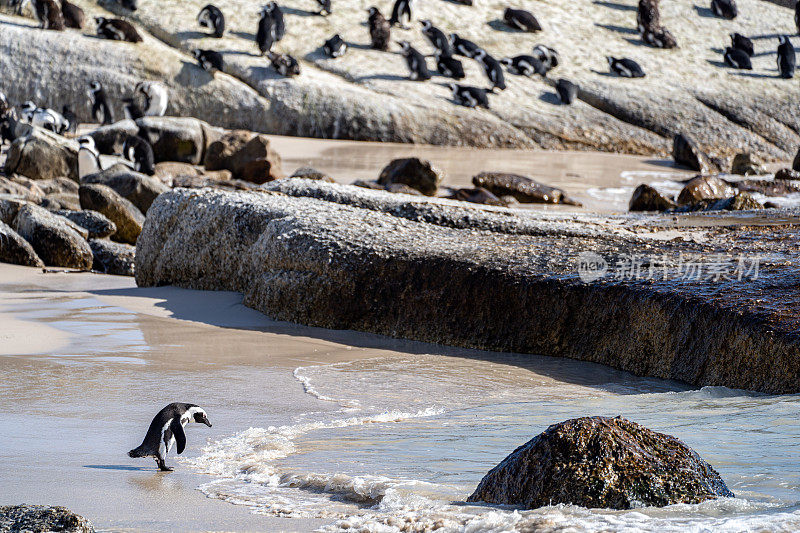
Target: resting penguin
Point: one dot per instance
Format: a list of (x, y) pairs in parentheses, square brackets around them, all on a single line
[(521, 19), (469, 96), (101, 110), (211, 18), (449, 66), (156, 97), (736, 58), (74, 17), (379, 30), (335, 46), (725, 8), (325, 8), (209, 60), (787, 59), (284, 64), (416, 62), (437, 38), (47, 119), (567, 91), (402, 14), (742, 43), (648, 16), (624, 67), (463, 47), (524, 65), (659, 38), (548, 56), (88, 157), (139, 152), (117, 30), (166, 429), (492, 69), (47, 12)]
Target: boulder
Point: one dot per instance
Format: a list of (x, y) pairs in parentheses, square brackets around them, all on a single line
[(43, 155), (167, 171), (110, 139), (16, 250), (96, 224), (58, 185), (311, 174), (135, 187), (402, 188), (62, 200), (796, 162), (685, 152), (175, 138), (705, 188), (247, 155), (125, 216), (647, 198), (478, 195), (9, 207), (787, 174), (742, 201), (366, 184), (113, 257), (414, 172), (600, 462), (14, 188), (53, 237), (523, 188), (746, 164), (36, 518)]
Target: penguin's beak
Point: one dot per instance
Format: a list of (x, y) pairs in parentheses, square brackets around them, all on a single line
[(206, 422)]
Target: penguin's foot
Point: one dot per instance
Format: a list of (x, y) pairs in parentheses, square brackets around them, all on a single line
[(163, 466)]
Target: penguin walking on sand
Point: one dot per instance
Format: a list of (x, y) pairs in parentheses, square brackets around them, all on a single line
[(625, 68), (211, 18), (567, 91), (524, 65), (726, 9), (101, 110), (463, 47), (742, 43), (736, 58), (449, 66), (156, 97), (74, 17), (335, 46), (416, 62), (117, 30), (166, 430), (209, 60), (469, 96), (402, 14), (522, 20), (787, 60), (437, 38), (380, 30), (492, 69)]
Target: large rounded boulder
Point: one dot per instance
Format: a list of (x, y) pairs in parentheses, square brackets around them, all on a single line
[(600, 462)]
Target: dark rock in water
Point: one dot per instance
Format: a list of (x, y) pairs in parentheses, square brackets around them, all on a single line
[(16, 250), (523, 188), (96, 224), (787, 174), (647, 198), (776, 187), (705, 188), (311, 174), (414, 172), (364, 184), (135, 187), (247, 155), (742, 201), (113, 257), (54, 238), (121, 212), (600, 462), (402, 188), (478, 195), (40, 518), (685, 152), (176, 138), (746, 164)]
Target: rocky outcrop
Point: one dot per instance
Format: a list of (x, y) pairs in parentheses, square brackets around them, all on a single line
[(16, 250), (647, 198), (137, 188), (704, 188), (412, 172), (248, 156), (344, 257), (40, 518), (54, 238), (96, 224), (521, 188), (12, 187), (113, 257), (600, 462), (125, 216), (177, 138), (43, 155)]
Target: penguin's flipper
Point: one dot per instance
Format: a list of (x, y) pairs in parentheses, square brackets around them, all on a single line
[(178, 433)]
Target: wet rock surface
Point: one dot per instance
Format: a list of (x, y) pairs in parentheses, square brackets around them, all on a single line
[(344, 257), (522, 188), (599, 462), (40, 519)]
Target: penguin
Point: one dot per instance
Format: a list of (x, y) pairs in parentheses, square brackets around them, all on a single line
[(117, 30), (267, 30), (492, 69), (522, 20), (74, 17), (469, 96), (797, 16), (726, 9), (71, 119), (88, 157), (211, 18), (335, 46), (379, 30), (325, 8), (736, 58), (742, 43), (437, 38), (130, 5), (463, 47), (274, 11), (648, 16), (624, 67), (166, 429), (449, 66), (5, 107), (659, 38), (524, 65), (416, 62), (131, 109), (47, 12), (47, 119), (567, 91), (101, 110), (138, 151), (156, 97), (402, 14), (284, 64), (548, 56), (209, 60), (787, 59)]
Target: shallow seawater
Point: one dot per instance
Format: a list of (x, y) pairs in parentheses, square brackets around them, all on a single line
[(415, 434)]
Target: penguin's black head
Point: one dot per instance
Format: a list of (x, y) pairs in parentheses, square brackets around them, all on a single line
[(783, 39), (201, 418), (100, 20), (130, 4), (426, 24)]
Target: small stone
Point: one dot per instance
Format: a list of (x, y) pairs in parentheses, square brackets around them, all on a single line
[(366, 184), (249, 156), (414, 172), (523, 188), (685, 152), (647, 198), (746, 164), (705, 188), (35, 518), (478, 195), (96, 224), (311, 174)]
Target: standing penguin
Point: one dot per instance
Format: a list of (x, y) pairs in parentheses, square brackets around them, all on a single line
[(156, 97), (88, 157), (797, 16), (567, 91), (166, 429), (416, 62), (47, 12), (743, 43), (437, 38), (648, 16), (492, 69), (267, 31), (101, 110), (521, 19), (274, 11), (463, 47), (211, 17), (139, 152), (379, 30), (726, 9), (402, 14), (74, 17), (736, 58), (787, 59), (71, 119), (209, 60), (624, 67), (449, 66), (335, 46)]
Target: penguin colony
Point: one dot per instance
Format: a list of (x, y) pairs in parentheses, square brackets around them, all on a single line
[(271, 28)]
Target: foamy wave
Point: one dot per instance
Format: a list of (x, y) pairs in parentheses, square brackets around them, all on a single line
[(309, 388)]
